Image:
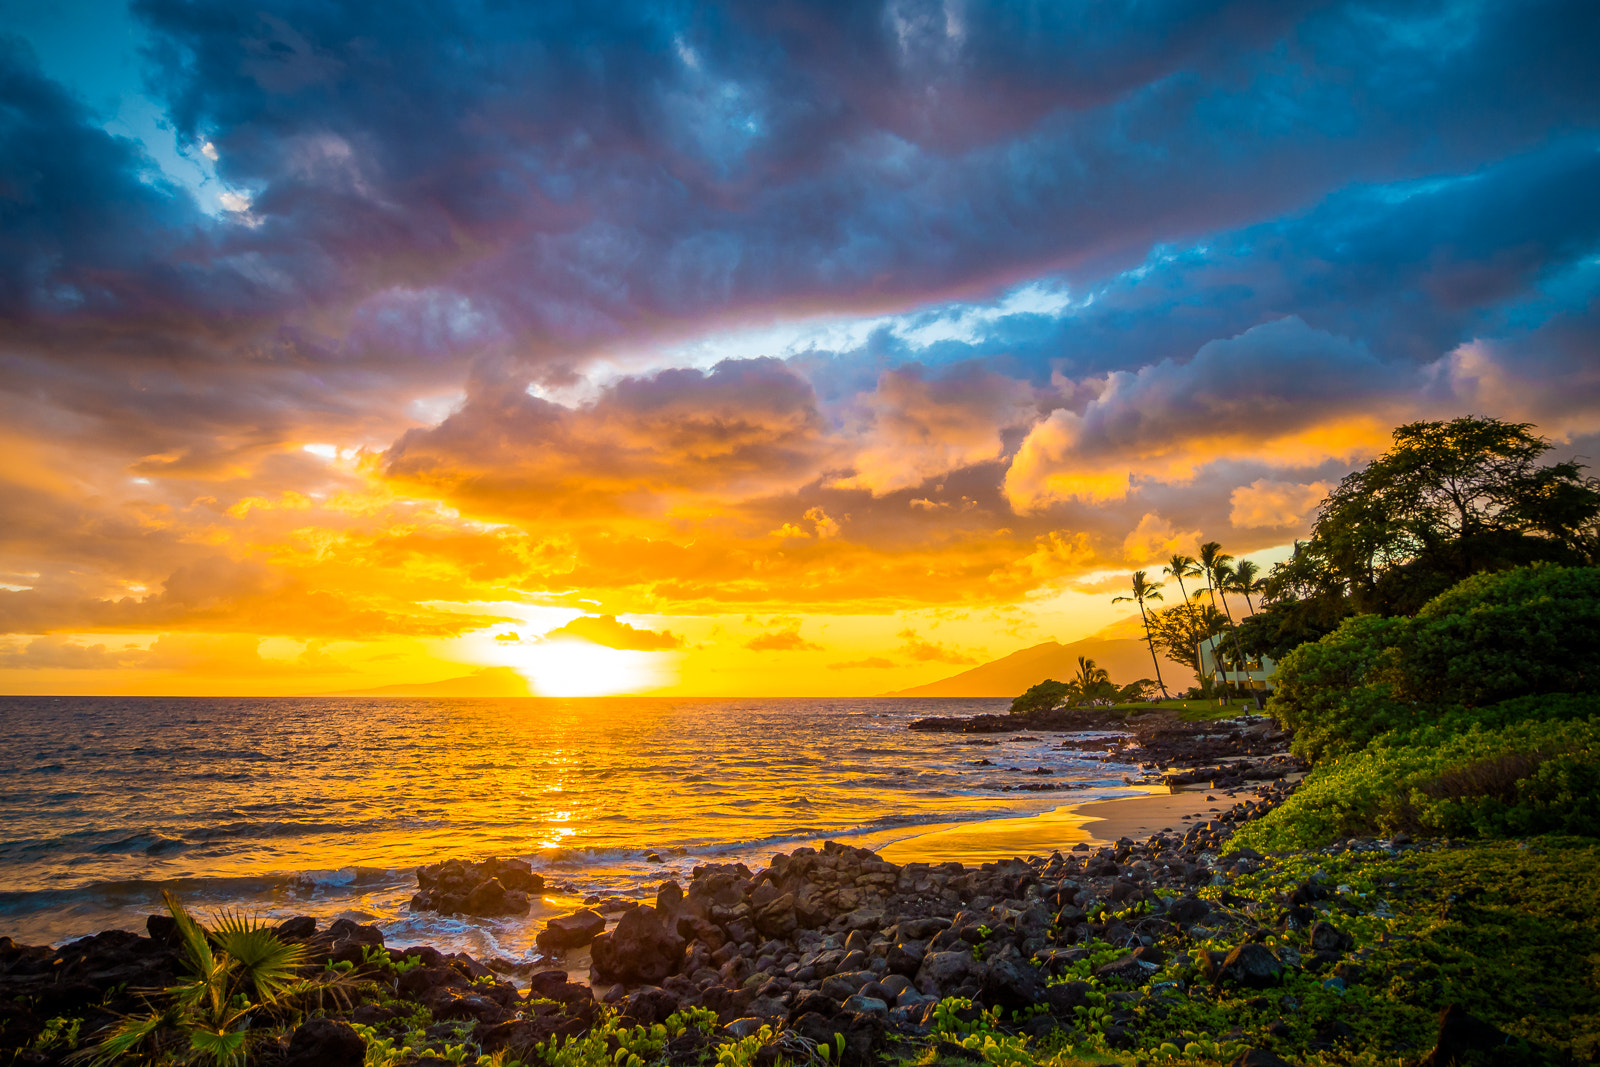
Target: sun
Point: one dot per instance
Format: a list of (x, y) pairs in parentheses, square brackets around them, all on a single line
[(583, 669)]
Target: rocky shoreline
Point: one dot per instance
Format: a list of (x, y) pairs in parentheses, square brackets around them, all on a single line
[(828, 947)]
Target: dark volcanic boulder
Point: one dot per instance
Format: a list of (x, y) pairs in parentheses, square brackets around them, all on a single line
[(640, 949), (1252, 965), (1129, 968), (1462, 1033), (1186, 910), (570, 931), (296, 929), (905, 957), (1010, 982), (325, 1043), (777, 918), (493, 898), (942, 972), (492, 887), (1325, 937), (648, 1005)]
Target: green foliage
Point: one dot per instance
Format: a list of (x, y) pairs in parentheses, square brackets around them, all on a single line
[(1338, 694), (234, 970), (1048, 695), (1529, 631), (742, 1053), (58, 1033), (1448, 500), (1526, 778), (1492, 637), (611, 1044), (979, 1033)]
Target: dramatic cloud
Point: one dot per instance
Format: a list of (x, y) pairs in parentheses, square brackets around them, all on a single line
[(399, 328)]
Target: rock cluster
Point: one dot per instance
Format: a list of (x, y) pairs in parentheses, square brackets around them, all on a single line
[(461, 887), (102, 978), (838, 941)]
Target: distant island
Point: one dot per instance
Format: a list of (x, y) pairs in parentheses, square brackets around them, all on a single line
[(1123, 657), (489, 682)]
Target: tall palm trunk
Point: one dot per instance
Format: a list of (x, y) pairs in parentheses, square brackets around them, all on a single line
[(1238, 650), (1212, 590), (1153, 660)]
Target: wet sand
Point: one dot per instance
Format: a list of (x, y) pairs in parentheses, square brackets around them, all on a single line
[(1094, 823)]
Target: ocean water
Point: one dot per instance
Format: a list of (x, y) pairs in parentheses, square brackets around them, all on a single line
[(326, 806)]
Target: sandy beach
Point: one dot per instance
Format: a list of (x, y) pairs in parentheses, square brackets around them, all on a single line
[(1094, 823)]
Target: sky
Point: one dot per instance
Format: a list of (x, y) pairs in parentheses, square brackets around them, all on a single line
[(759, 349)]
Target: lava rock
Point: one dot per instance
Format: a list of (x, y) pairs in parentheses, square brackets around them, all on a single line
[(1251, 964), (1461, 1033), (640, 949), (570, 931), (325, 1043)]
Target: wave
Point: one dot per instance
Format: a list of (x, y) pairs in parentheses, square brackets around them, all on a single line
[(205, 889)]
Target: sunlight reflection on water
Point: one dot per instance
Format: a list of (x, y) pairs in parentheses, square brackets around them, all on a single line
[(324, 806)]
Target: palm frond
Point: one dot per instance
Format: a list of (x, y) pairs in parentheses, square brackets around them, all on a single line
[(196, 946), (127, 1038), (266, 963), (225, 1047)]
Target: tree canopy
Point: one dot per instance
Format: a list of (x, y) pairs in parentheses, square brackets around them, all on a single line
[(1446, 501)]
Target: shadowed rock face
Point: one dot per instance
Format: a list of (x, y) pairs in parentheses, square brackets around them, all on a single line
[(570, 931), (640, 949), (490, 888)]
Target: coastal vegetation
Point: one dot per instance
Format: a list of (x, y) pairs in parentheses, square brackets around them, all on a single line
[(1448, 500)]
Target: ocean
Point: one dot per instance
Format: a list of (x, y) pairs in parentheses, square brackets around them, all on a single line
[(326, 806)]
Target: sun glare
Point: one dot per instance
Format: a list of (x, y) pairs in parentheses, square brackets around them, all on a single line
[(582, 669)]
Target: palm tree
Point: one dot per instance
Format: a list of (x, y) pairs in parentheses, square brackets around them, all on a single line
[(1180, 567), (1247, 580), (1142, 591), (1218, 566), (1090, 678)]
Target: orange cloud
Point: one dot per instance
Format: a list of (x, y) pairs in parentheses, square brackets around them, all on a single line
[(606, 630), (782, 641), (1265, 502), (930, 651)]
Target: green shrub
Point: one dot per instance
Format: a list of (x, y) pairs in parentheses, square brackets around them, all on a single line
[(1337, 693), (1526, 633), (1529, 777), (1530, 631)]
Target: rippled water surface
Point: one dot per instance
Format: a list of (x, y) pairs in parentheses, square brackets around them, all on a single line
[(324, 806)]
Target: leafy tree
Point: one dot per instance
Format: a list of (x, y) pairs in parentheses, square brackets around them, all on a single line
[(1143, 590), (1048, 695), (1177, 629), (1143, 689), (1446, 501)]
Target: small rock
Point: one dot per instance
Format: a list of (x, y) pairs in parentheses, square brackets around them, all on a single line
[(870, 1005), (325, 1043), (1252, 965)]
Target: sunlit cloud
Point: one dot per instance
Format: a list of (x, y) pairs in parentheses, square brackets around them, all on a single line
[(909, 335)]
